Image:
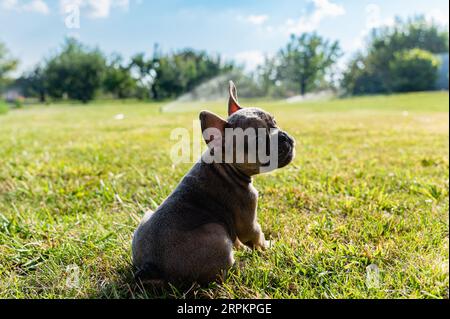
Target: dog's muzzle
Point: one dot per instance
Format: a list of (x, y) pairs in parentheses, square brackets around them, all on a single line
[(286, 149)]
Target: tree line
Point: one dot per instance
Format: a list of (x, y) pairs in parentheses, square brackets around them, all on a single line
[(396, 58), (80, 73)]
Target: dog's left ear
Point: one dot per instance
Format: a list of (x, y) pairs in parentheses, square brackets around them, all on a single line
[(233, 105), (213, 128)]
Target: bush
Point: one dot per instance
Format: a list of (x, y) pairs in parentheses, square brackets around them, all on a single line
[(414, 70), (3, 108), (19, 103), (375, 70), (76, 72)]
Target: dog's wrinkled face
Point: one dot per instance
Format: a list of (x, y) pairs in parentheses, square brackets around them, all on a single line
[(258, 119), (267, 137)]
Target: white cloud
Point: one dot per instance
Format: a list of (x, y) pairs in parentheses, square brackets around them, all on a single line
[(325, 8), (438, 16), (251, 59), (310, 22), (38, 6), (257, 19), (374, 19), (9, 4), (373, 15), (95, 9)]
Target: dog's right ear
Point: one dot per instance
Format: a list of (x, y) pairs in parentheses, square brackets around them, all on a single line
[(233, 105), (213, 128)]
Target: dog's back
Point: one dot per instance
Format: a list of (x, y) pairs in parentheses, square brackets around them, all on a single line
[(189, 237)]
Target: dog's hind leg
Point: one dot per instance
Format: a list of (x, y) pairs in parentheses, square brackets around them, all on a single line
[(202, 255)]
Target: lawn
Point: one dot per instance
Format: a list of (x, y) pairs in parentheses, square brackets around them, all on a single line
[(368, 188)]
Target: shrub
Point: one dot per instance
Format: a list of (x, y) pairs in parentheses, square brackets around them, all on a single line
[(385, 64), (76, 72), (19, 103), (413, 70)]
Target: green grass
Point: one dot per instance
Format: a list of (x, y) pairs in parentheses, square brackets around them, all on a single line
[(3, 108), (369, 186)]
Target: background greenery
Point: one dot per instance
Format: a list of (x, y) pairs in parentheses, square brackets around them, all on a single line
[(391, 61), (398, 58), (369, 185), (4, 108)]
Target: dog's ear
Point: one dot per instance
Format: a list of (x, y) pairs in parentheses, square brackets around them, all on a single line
[(213, 128), (233, 105)]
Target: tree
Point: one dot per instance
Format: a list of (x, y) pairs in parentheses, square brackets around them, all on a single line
[(362, 77), (180, 72), (266, 75), (34, 83), (170, 75), (371, 71), (413, 70), (144, 74), (306, 60), (7, 65), (77, 72), (118, 79)]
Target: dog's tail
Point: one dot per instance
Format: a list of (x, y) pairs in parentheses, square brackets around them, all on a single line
[(150, 274)]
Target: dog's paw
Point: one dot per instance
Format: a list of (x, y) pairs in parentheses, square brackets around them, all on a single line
[(266, 244), (262, 245), (240, 246), (269, 243)]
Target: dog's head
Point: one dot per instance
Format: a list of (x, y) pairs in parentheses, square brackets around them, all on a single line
[(249, 139)]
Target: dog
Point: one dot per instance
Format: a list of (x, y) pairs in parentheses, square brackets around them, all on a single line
[(191, 236)]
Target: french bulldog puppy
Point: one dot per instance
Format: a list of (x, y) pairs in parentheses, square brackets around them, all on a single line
[(190, 237)]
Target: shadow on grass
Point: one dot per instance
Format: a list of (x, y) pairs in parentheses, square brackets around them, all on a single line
[(125, 286)]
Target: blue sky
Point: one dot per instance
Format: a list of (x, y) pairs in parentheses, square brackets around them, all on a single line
[(244, 30)]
